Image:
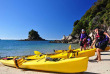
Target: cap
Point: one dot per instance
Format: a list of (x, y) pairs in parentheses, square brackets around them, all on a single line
[(83, 30)]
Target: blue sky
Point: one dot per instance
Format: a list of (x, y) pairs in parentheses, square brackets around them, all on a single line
[(51, 18)]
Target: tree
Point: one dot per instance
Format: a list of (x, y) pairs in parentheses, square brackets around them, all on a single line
[(75, 23), (98, 14)]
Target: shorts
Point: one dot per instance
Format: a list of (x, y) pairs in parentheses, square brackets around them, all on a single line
[(101, 45), (83, 44)]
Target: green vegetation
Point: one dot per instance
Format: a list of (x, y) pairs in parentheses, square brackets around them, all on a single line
[(97, 15)]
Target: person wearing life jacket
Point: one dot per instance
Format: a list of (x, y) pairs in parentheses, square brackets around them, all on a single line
[(83, 39), (100, 41)]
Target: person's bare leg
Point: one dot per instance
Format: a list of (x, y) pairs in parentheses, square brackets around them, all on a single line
[(98, 54), (84, 46), (96, 58), (81, 48)]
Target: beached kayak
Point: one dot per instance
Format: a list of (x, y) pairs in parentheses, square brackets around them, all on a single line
[(72, 65), (65, 54), (60, 51), (78, 53)]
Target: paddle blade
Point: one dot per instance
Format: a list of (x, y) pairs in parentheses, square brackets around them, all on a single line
[(18, 62), (69, 47), (37, 52)]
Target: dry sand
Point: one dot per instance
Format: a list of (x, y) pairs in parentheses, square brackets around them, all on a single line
[(94, 67)]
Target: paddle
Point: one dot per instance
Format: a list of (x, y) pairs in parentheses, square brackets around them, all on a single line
[(19, 62), (71, 52), (60, 51), (37, 52), (69, 47)]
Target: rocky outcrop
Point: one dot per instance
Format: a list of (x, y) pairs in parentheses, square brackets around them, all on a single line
[(67, 39), (64, 37), (33, 36), (75, 39)]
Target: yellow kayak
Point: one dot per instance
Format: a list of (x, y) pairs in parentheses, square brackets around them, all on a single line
[(72, 65), (60, 51), (107, 48), (65, 54), (75, 53), (83, 53)]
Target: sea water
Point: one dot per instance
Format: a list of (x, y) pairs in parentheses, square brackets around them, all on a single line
[(21, 48)]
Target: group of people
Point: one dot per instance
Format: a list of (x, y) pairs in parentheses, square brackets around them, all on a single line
[(101, 40)]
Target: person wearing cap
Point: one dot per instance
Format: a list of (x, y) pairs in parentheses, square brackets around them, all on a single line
[(83, 39), (100, 41)]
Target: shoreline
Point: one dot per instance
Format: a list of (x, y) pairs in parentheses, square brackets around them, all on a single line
[(94, 67)]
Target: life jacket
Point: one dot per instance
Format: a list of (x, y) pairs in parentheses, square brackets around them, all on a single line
[(97, 36), (100, 37), (84, 41), (106, 38), (83, 35)]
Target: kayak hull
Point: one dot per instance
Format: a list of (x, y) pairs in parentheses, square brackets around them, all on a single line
[(73, 65), (107, 48)]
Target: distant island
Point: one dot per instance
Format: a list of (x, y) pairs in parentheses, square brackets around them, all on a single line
[(33, 36)]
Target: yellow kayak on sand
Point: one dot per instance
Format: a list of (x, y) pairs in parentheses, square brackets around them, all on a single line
[(78, 53), (74, 53), (65, 54), (72, 65), (60, 51)]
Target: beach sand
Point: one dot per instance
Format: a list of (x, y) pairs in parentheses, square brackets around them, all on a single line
[(94, 67)]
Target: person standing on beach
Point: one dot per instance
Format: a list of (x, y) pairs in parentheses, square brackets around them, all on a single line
[(100, 41), (83, 39)]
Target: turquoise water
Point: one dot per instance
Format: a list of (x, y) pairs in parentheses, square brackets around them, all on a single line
[(20, 48)]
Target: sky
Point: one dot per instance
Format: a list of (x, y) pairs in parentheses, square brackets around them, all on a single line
[(51, 18)]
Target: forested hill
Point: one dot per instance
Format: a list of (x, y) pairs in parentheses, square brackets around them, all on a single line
[(97, 15)]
